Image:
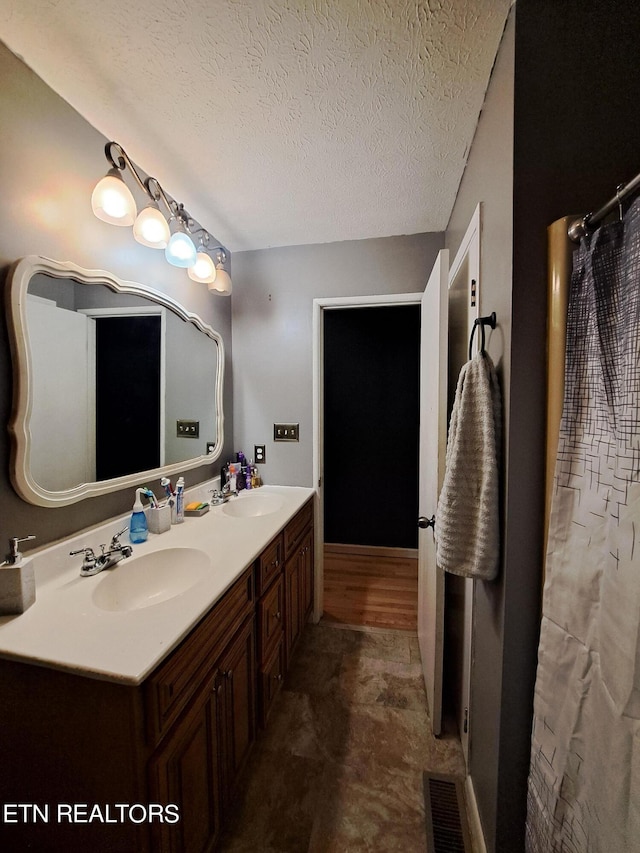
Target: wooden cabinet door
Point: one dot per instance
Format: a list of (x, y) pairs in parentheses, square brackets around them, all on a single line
[(238, 672), (307, 572), (271, 678), (293, 580), (186, 772), (298, 590), (270, 620)]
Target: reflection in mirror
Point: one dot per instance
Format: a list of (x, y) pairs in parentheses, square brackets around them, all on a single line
[(106, 375)]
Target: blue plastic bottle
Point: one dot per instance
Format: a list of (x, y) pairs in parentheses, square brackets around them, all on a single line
[(138, 530)]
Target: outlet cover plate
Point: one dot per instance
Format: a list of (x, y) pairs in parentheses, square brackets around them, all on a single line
[(286, 432), (259, 453)]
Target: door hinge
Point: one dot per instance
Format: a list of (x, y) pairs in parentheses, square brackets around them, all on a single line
[(465, 725), (473, 293)]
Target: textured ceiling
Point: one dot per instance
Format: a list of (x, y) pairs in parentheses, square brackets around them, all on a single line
[(277, 122)]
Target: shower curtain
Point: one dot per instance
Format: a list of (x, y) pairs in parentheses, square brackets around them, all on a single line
[(584, 778)]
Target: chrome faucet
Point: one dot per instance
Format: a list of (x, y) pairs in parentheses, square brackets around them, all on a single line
[(221, 496), (92, 564)]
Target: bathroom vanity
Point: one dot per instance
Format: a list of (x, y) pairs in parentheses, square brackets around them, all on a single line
[(148, 690)]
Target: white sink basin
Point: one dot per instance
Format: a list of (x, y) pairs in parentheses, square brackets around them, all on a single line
[(252, 505), (144, 581)]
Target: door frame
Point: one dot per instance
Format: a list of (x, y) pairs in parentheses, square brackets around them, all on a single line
[(469, 253), (140, 311), (468, 259), (320, 305)]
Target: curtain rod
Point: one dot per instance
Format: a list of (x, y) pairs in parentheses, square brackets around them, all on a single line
[(579, 227)]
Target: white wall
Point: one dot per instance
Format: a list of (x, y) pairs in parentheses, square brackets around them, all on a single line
[(273, 293)]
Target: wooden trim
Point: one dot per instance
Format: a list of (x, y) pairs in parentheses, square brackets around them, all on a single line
[(371, 551)]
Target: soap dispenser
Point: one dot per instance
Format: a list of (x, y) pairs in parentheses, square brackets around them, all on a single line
[(17, 581), (138, 530)]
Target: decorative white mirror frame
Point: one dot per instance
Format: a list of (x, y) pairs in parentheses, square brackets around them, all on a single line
[(18, 280)]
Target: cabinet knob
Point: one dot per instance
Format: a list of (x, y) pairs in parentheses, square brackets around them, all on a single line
[(228, 673), (278, 615), (278, 677)]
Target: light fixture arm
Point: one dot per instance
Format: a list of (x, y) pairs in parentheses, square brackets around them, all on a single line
[(122, 161), (150, 186), (154, 189)]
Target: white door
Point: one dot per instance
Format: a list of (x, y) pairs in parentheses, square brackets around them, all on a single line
[(59, 400), (433, 441)]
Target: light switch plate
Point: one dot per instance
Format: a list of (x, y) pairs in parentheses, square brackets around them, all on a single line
[(286, 432), (188, 429)]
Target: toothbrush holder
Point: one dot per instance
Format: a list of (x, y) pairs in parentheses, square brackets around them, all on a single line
[(159, 519)]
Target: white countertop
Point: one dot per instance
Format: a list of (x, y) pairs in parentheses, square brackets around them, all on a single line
[(65, 629)]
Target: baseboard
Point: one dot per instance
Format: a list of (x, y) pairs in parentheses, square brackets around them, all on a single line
[(473, 817), (371, 550)]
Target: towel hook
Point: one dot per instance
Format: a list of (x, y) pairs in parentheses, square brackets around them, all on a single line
[(489, 320)]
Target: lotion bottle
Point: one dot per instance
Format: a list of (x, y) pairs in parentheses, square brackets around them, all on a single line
[(138, 530)]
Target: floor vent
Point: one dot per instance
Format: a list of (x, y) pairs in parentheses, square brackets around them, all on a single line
[(444, 812)]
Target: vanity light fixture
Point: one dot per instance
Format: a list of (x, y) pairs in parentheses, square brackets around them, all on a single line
[(151, 228), (113, 202), (222, 282), (180, 250), (204, 270)]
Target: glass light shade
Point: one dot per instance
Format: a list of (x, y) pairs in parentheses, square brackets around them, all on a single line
[(222, 283), (203, 270), (180, 250), (112, 200), (151, 228)]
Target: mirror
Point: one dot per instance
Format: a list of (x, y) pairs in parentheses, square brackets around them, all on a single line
[(115, 384)]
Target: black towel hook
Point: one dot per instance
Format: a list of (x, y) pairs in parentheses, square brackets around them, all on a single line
[(490, 320)]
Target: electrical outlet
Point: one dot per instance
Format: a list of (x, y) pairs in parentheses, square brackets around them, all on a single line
[(286, 432), (211, 446), (259, 453)]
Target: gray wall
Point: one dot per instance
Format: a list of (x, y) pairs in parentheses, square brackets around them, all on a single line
[(50, 160), (558, 132), (488, 179), (273, 293)]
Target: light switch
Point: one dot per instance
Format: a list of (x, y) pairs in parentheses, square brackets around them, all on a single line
[(286, 432), (188, 429)]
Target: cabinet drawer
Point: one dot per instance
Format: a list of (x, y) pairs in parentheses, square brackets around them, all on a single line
[(271, 678), (171, 686), (296, 528), (269, 564), (270, 619)]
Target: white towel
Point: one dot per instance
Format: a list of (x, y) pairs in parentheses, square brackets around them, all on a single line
[(467, 519)]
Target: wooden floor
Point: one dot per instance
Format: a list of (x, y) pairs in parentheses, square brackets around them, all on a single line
[(376, 587)]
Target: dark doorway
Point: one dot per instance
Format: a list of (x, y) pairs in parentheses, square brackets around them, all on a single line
[(371, 425), (127, 395)]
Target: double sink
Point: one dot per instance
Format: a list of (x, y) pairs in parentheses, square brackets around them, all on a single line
[(120, 624), (153, 578)]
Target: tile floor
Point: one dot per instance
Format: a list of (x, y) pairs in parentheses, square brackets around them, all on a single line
[(339, 769)]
